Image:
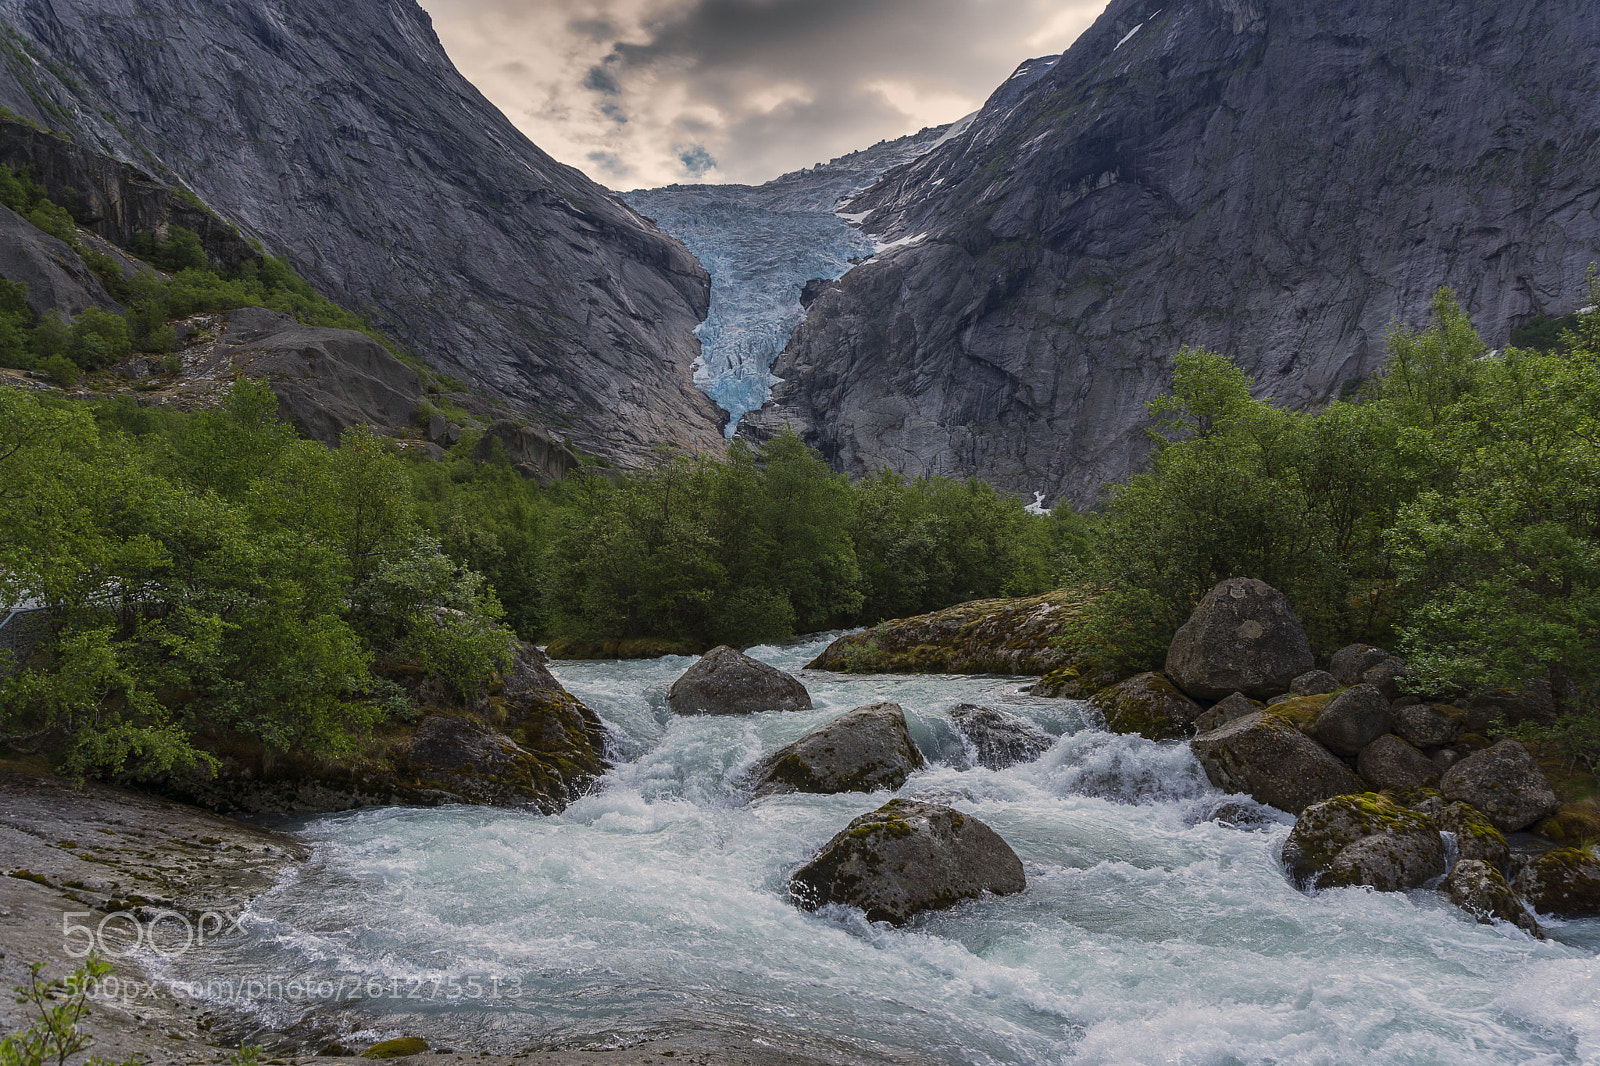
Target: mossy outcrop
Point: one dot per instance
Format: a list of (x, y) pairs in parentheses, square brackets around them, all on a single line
[(1476, 836), (1146, 704), (1573, 825), (1006, 636), (1363, 839), (907, 857), (865, 750)]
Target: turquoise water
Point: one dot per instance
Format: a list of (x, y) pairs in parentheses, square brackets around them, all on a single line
[(1147, 934)]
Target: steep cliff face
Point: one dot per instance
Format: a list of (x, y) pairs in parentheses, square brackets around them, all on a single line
[(1279, 179), (338, 133)]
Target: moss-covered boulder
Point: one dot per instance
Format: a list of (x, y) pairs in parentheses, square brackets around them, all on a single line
[(1429, 725), (726, 681), (1272, 761), (867, 749), (1146, 704), (1363, 839), (1563, 882), (907, 857), (1006, 636), (1352, 719), (1573, 825), (1476, 837), (1390, 762), (396, 1049), (1481, 890), (1505, 783), (1242, 637), (998, 739)]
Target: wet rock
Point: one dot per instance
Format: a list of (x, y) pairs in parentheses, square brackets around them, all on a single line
[(907, 857), (1241, 815), (1266, 757), (1564, 882), (566, 738), (1353, 719), (1429, 725), (1363, 839), (463, 759), (1009, 636), (1390, 762), (1505, 783), (1241, 638), (1146, 704), (1476, 837), (865, 750), (1354, 660), (1313, 683), (1001, 739), (1481, 890), (726, 681), (1231, 709)]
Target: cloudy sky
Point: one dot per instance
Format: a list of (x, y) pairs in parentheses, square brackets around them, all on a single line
[(639, 93)]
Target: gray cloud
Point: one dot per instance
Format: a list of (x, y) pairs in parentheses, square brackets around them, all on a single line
[(646, 92)]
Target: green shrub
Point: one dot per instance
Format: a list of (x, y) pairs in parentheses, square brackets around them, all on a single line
[(63, 371)]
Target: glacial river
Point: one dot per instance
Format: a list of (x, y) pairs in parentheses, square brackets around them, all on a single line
[(1147, 933)]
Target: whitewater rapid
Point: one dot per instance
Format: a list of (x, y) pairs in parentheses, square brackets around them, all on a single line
[(1147, 933)]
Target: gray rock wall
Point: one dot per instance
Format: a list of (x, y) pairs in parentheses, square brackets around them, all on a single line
[(1278, 179), (338, 133)]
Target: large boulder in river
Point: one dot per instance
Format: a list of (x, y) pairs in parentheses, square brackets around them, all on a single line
[(726, 681), (1481, 890), (1352, 719), (1266, 757), (906, 857), (1505, 783), (862, 751), (1564, 882), (999, 739), (1476, 836), (1241, 638), (1363, 839), (1146, 704)]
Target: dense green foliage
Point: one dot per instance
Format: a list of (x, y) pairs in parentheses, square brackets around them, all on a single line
[(213, 574), (756, 548), (1451, 510)]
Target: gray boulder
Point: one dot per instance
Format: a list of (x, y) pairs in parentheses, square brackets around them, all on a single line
[(1146, 704), (1231, 709), (999, 739), (1505, 783), (867, 749), (1385, 677), (1476, 837), (1429, 725), (1481, 890), (1353, 660), (1390, 762), (1363, 839), (1266, 757), (1313, 683), (726, 681), (1353, 719), (907, 857), (1564, 882), (1241, 638)]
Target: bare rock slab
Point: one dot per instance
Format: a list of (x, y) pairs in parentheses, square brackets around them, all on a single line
[(999, 739), (867, 749), (726, 681), (1505, 783), (1266, 757), (907, 857), (1363, 839), (1241, 638)]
